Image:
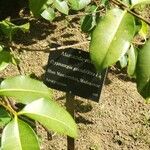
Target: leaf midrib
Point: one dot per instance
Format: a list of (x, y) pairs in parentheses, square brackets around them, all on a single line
[(18, 137), (124, 12), (41, 115), (22, 90)]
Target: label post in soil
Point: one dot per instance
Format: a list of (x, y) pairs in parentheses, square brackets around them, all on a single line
[(71, 70), (70, 106)]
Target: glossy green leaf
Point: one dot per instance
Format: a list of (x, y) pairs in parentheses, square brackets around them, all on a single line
[(111, 38), (78, 4), (4, 117), (5, 59), (24, 89), (143, 71), (144, 30), (123, 61), (48, 14), (132, 60), (52, 116), (18, 135), (74, 4), (89, 21), (139, 2), (62, 6), (37, 6)]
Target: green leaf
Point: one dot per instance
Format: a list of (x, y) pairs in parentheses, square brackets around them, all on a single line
[(89, 21), (48, 14), (104, 2), (15, 60), (37, 6), (144, 30), (111, 38), (49, 2), (127, 2), (25, 27), (1, 48), (18, 135), (5, 59), (52, 116), (24, 89), (78, 4), (132, 60), (139, 2), (62, 6), (4, 117), (123, 61), (9, 29), (143, 71)]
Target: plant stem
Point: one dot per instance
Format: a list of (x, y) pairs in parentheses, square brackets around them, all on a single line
[(18, 67), (124, 6), (7, 106), (47, 50), (102, 8)]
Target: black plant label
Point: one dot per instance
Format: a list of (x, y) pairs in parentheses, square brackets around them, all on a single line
[(71, 70)]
